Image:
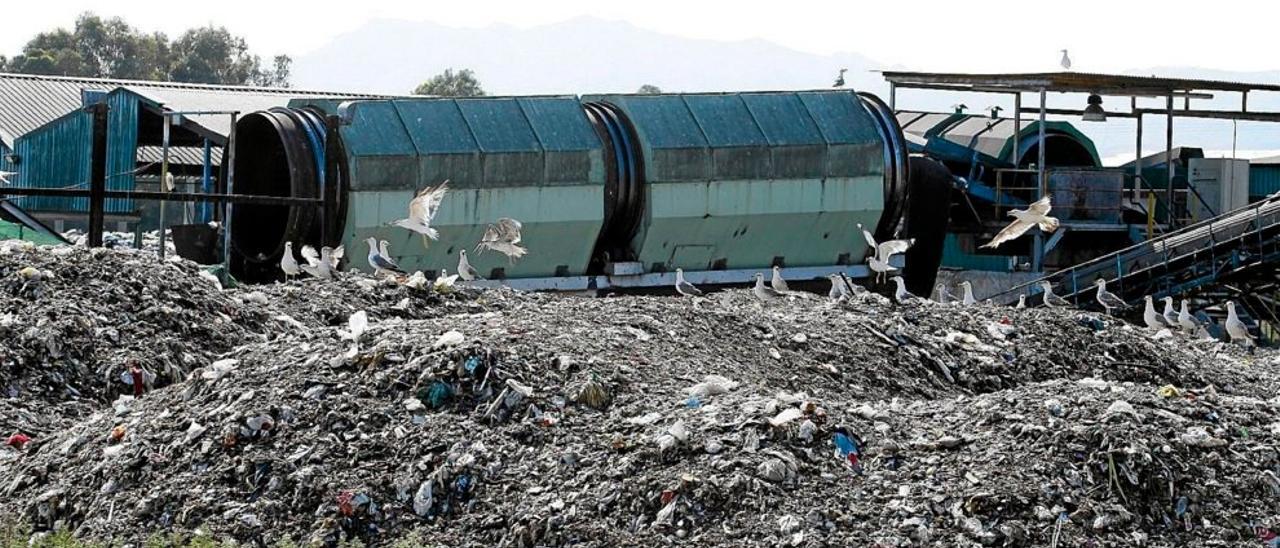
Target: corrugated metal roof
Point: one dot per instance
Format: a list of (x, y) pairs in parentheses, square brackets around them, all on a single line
[(30, 101), (1086, 82)]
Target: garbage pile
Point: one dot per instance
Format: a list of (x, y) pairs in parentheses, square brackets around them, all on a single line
[(499, 418)]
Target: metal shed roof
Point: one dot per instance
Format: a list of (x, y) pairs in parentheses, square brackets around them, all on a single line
[(1082, 82), (29, 101)]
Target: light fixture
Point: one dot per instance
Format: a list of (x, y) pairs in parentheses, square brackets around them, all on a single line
[(1094, 112)]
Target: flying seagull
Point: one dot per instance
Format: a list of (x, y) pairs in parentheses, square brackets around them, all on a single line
[(380, 263), (840, 78), (5, 175), (901, 294), (685, 288), (968, 293), (1236, 329), (465, 270), (777, 282), (1149, 315), (503, 237), (764, 292), (289, 263), (879, 260), (422, 210), (1066, 61), (1107, 299), (1051, 300), (1024, 219), (1170, 317)]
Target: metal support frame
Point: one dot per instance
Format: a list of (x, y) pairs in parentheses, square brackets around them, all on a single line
[(164, 175), (1037, 252), (1168, 164), (229, 167), (98, 174)]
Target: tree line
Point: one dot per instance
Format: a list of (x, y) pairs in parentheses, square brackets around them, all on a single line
[(111, 48)]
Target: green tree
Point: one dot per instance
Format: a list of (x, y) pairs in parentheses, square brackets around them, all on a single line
[(452, 84), (278, 76), (649, 89), (212, 55)]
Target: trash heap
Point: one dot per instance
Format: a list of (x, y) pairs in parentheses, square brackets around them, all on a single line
[(499, 418)]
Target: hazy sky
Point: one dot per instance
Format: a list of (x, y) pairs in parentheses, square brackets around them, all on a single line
[(930, 35)]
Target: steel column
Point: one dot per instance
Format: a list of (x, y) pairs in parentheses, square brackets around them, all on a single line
[(1168, 164), (98, 174), (1037, 252), (229, 167), (164, 176)]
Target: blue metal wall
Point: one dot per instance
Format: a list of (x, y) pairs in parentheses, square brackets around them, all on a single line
[(1264, 180), (122, 146), (57, 155), (954, 256)]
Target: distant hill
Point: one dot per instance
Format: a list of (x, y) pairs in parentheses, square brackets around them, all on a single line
[(590, 55)]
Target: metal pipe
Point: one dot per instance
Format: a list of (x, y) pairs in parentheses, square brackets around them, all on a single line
[(1037, 259), (252, 199), (1168, 162), (1017, 130), (164, 176), (1137, 159)]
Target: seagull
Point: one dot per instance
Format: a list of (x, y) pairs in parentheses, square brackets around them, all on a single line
[(502, 237), (838, 291), (1189, 323), (380, 263), (422, 209), (879, 261), (1236, 329), (968, 294), (5, 175), (357, 324), (764, 292), (465, 270), (1051, 300), (1170, 317), (901, 294), (778, 283), (942, 295), (315, 265), (1107, 299), (1024, 219), (1066, 61), (289, 263), (444, 281), (1149, 315), (1022, 301), (840, 79), (386, 253), (685, 288)]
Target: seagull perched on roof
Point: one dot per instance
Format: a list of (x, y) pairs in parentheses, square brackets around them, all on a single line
[(503, 237), (840, 79), (1066, 61), (422, 209), (1236, 329), (1051, 300), (883, 251), (901, 294), (5, 175), (1149, 315), (465, 270), (1024, 219), (1107, 299), (289, 263), (1190, 324), (1170, 317), (967, 286), (764, 292), (685, 288), (778, 283), (380, 263)]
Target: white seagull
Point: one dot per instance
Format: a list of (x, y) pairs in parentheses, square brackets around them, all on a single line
[(878, 261), (838, 291), (444, 282), (381, 265), (386, 254), (4, 176), (764, 292), (1170, 317), (320, 264), (1107, 299), (422, 209), (1236, 329), (465, 270), (1066, 61), (1051, 300), (1022, 301), (901, 294), (357, 324), (1150, 316), (1023, 219), (289, 263), (685, 288), (968, 293), (942, 295), (1190, 324), (503, 237), (777, 282)]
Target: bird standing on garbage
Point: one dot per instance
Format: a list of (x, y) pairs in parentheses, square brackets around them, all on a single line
[(764, 292), (357, 324), (1023, 219), (503, 237), (878, 260), (422, 210), (444, 281), (1050, 300), (381, 264), (967, 286), (1022, 302), (1149, 315), (1236, 329), (941, 295), (1186, 321), (778, 283), (901, 294), (838, 291), (1107, 299), (321, 265), (1170, 317), (685, 288), (289, 263), (465, 270)]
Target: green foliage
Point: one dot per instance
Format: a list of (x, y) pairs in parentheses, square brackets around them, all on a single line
[(649, 89), (452, 84), (111, 48)]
